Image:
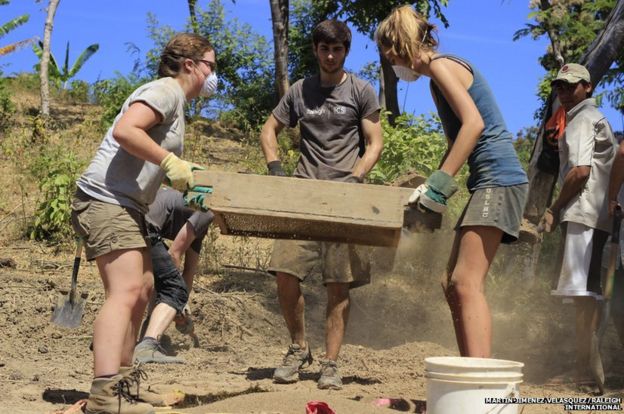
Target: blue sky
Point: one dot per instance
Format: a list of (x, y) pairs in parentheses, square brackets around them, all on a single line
[(480, 31)]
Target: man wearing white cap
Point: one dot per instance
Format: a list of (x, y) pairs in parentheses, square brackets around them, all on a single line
[(587, 149)]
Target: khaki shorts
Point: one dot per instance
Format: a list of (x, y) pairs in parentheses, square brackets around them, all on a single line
[(336, 262), (499, 207), (106, 227)]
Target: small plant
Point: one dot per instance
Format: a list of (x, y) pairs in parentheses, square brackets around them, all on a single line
[(55, 169)]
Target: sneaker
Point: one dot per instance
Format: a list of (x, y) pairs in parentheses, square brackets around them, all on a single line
[(294, 360), (330, 378), (142, 394), (149, 350), (112, 396)]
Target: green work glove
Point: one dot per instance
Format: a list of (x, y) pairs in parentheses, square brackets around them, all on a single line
[(434, 193), (196, 197)]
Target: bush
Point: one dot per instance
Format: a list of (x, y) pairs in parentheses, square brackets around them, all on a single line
[(413, 144), (7, 108), (78, 91), (55, 169)]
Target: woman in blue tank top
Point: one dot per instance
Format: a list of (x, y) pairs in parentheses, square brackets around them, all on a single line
[(476, 134)]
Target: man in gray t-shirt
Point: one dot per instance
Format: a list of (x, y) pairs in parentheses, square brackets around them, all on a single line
[(341, 140), (168, 218)]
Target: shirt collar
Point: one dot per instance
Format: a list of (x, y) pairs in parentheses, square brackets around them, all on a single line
[(579, 107)]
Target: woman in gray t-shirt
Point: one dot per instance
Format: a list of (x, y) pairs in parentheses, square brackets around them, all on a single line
[(139, 151)]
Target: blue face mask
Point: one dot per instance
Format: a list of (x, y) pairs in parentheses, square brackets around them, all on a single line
[(210, 85), (405, 74)]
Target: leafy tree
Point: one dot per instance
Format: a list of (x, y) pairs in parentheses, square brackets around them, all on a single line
[(246, 71), (245, 66), (306, 14), (571, 26), (590, 33), (9, 26), (61, 76)]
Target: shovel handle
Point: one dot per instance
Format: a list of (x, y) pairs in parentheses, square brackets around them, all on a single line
[(74, 279)]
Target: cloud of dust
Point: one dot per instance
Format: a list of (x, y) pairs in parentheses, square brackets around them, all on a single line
[(404, 303)]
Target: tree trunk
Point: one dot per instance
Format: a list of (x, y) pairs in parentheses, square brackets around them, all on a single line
[(279, 16), (191, 5), (388, 98), (598, 58), (45, 59)]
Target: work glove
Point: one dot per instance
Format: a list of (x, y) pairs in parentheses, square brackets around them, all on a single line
[(354, 179), (179, 172), (275, 168), (549, 221), (434, 193), (195, 197)]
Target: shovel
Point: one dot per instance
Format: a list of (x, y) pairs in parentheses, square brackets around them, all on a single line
[(594, 358), (69, 308)]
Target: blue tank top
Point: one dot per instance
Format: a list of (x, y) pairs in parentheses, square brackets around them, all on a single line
[(493, 162)]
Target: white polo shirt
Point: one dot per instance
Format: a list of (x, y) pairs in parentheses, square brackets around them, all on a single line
[(588, 141)]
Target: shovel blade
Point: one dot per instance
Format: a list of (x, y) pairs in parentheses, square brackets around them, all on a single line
[(68, 314)]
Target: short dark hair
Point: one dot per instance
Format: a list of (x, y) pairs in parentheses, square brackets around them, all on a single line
[(332, 31)]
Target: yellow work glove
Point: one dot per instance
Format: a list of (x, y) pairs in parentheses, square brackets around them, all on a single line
[(179, 172)]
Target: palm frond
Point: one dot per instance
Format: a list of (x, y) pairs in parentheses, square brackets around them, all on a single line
[(12, 24), (82, 59), (5, 50)]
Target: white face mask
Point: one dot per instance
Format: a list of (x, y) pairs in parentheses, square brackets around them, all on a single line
[(405, 74), (210, 85)]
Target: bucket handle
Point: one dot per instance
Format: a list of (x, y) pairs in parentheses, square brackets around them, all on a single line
[(510, 392)]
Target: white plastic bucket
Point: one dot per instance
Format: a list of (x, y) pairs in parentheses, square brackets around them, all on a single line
[(460, 385)]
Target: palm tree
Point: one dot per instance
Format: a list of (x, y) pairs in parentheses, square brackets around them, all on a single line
[(45, 58), (59, 75)]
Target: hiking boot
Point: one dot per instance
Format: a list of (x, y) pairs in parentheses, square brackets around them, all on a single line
[(294, 360), (140, 393), (149, 350), (330, 378), (112, 396)]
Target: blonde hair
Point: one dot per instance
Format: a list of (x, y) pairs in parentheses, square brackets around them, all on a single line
[(404, 33), (182, 46)]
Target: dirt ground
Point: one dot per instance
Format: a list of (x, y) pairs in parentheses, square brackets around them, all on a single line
[(396, 322)]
